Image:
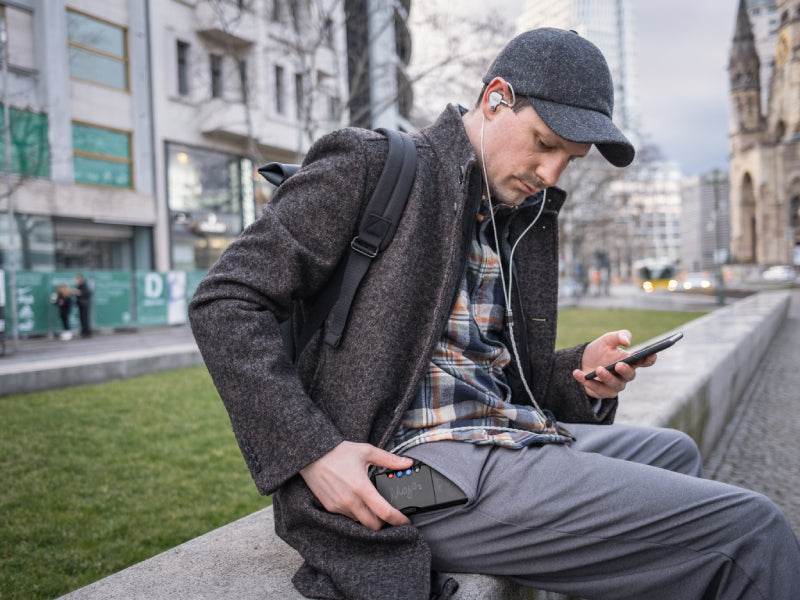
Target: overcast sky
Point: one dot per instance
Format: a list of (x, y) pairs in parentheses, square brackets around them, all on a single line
[(683, 90), (681, 47)]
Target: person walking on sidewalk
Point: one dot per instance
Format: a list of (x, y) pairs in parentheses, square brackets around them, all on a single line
[(449, 358)]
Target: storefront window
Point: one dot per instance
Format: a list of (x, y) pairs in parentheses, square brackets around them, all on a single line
[(205, 195), (33, 242)]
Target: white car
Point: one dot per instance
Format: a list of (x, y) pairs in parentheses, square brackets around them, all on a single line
[(779, 274), (696, 281)]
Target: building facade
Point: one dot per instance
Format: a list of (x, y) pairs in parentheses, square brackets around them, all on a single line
[(765, 143), (76, 88), (137, 126), (705, 221)]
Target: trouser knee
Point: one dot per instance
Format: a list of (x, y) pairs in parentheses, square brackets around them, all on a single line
[(681, 453)]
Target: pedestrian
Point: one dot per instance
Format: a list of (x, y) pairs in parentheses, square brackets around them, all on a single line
[(448, 358), (83, 295), (64, 302)]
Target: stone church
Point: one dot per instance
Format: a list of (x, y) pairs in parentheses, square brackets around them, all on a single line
[(765, 144)]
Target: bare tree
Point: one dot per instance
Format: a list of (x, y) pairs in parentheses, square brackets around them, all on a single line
[(452, 50), (312, 39)]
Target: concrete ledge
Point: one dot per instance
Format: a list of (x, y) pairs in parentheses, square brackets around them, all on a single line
[(83, 370), (244, 560), (695, 387)]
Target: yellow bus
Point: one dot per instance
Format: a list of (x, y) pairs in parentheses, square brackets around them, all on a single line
[(654, 275)]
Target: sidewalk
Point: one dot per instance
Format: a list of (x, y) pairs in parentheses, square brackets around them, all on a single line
[(40, 363), (758, 449)]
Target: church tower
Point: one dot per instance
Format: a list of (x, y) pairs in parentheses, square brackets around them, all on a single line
[(765, 148), (746, 125), (743, 69)]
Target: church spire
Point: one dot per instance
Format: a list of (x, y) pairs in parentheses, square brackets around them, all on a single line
[(744, 63)]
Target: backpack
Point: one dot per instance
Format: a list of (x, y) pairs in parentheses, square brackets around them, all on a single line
[(375, 231)]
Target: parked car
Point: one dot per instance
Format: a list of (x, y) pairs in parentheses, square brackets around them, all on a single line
[(779, 274)]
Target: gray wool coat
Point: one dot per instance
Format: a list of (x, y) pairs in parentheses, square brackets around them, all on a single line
[(287, 415)]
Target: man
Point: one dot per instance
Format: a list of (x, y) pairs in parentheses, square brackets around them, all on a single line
[(83, 295), (448, 358)]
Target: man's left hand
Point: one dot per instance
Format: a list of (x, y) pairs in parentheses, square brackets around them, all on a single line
[(604, 351)]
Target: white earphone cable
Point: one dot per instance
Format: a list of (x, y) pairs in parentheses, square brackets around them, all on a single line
[(507, 290)]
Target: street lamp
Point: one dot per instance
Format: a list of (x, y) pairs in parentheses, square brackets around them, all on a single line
[(720, 254)]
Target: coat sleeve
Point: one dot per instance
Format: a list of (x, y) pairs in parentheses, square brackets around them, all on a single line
[(574, 404), (286, 255)]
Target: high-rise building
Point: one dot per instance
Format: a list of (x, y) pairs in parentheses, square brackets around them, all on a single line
[(378, 54), (705, 221)]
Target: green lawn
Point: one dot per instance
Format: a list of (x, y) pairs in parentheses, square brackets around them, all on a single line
[(577, 325), (96, 478)]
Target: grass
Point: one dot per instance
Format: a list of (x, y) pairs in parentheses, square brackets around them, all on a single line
[(96, 478), (578, 325)]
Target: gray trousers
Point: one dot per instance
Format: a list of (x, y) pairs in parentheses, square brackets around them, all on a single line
[(621, 513)]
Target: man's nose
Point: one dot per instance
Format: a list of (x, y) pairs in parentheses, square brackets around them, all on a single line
[(550, 169)]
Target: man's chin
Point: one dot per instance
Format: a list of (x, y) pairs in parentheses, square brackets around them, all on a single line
[(511, 200)]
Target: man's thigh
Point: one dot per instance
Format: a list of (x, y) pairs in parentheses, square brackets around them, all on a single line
[(659, 447), (577, 520)]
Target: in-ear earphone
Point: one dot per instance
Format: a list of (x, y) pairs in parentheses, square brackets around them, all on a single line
[(496, 98)]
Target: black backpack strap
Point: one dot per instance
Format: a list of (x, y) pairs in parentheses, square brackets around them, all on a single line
[(375, 232), (377, 227)]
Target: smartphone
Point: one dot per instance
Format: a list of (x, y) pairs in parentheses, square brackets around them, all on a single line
[(644, 352), (417, 489)]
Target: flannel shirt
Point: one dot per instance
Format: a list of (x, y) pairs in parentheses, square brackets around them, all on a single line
[(465, 396)]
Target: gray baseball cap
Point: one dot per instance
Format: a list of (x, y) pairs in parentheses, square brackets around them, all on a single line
[(566, 79)]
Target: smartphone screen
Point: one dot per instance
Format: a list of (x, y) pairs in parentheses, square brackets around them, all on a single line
[(643, 353)]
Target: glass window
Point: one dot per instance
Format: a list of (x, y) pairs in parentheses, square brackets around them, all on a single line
[(30, 153), (279, 89), (243, 82), (183, 68), (97, 51), (33, 242), (19, 28), (298, 95), (294, 7), (216, 76), (101, 156), (205, 190)]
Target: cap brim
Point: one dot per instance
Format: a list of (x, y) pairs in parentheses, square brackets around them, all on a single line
[(586, 126)]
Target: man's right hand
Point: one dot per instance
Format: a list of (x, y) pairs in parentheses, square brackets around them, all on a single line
[(339, 481)]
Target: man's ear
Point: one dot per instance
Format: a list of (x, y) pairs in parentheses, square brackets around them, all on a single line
[(498, 93)]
